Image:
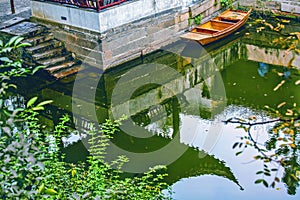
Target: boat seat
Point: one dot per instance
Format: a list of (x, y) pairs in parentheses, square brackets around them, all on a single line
[(226, 19), (205, 30), (227, 22)]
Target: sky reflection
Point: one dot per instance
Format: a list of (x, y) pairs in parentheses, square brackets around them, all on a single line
[(214, 187)]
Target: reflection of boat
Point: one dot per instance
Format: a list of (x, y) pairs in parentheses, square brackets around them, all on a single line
[(219, 27)]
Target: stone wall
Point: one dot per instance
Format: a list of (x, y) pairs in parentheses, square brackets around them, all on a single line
[(122, 33)]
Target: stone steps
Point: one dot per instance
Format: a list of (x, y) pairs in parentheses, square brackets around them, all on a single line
[(40, 38), (44, 50), (41, 47), (68, 71), (57, 60), (50, 52), (64, 65)]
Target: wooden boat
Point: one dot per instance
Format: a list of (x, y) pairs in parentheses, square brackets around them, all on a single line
[(221, 26)]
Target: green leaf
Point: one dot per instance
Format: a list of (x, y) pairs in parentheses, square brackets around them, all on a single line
[(11, 41), (37, 68), (31, 102), (44, 103), (267, 174), (238, 153), (74, 172), (1, 43), (50, 191), (38, 108), (18, 40), (259, 172), (5, 59), (6, 49), (24, 45), (265, 183), (235, 145), (41, 188), (259, 181)]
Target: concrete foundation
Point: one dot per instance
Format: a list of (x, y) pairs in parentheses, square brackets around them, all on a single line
[(120, 33)]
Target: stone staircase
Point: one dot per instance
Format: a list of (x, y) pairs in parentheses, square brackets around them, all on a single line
[(52, 54), (45, 49)]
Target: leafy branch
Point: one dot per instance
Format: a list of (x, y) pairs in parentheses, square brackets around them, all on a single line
[(281, 148)]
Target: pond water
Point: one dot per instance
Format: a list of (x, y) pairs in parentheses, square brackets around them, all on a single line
[(176, 100)]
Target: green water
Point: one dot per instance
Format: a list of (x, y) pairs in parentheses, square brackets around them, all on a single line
[(176, 101)]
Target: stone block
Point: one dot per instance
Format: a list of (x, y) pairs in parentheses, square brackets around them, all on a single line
[(290, 6), (136, 45), (184, 17)]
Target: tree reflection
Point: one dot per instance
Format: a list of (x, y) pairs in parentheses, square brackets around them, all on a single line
[(280, 150)]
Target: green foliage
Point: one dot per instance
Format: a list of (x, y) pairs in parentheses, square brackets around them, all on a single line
[(32, 166), (11, 63), (226, 3), (21, 155), (197, 20), (216, 3)]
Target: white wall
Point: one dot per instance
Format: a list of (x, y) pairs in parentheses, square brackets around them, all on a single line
[(81, 18), (108, 18)]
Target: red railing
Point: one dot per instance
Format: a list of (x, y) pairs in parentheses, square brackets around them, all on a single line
[(92, 4)]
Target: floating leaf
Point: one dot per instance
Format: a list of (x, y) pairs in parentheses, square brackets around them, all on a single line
[(281, 104), (285, 21), (252, 117), (289, 112), (279, 85)]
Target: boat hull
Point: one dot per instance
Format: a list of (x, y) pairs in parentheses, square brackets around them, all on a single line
[(206, 33)]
